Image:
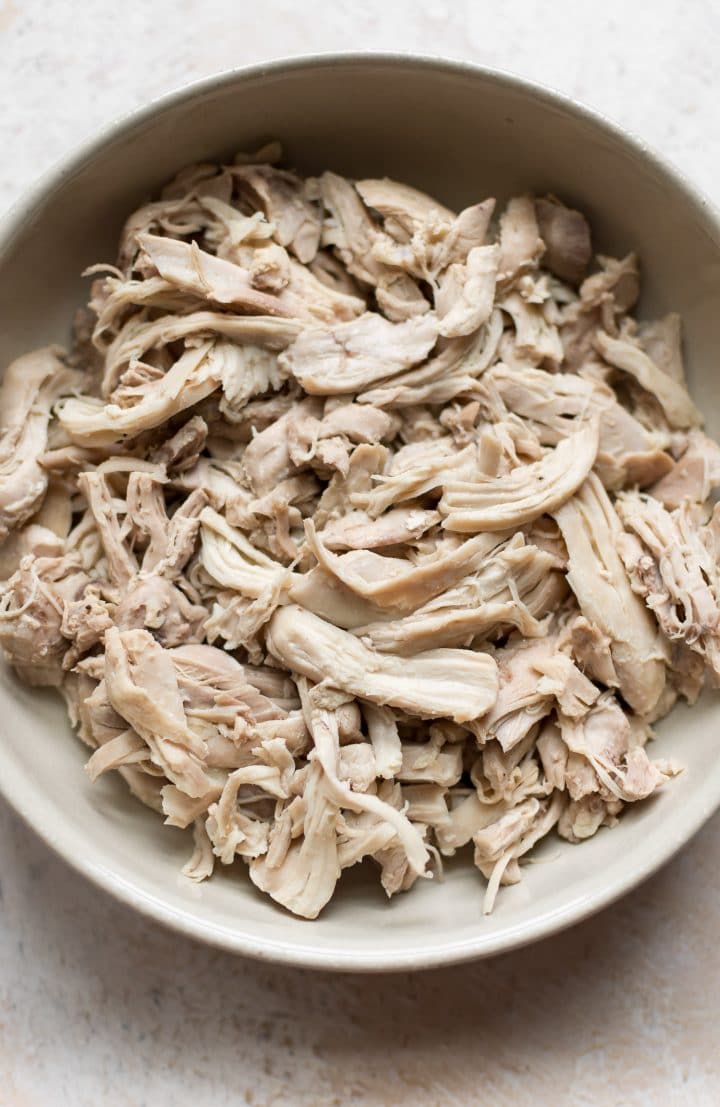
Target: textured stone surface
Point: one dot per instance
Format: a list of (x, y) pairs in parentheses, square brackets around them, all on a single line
[(99, 1007)]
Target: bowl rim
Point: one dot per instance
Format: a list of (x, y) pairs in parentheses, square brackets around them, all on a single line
[(650, 856)]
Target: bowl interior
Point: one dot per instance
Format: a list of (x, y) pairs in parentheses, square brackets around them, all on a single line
[(461, 134)]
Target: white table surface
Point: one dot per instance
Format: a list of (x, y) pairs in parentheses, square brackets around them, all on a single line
[(100, 1008)]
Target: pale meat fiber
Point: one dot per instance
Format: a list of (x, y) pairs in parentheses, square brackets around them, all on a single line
[(353, 528)]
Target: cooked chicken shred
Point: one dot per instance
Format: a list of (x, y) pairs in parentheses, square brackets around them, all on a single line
[(353, 527)]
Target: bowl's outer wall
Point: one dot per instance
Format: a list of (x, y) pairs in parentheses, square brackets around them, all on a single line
[(461, 134)]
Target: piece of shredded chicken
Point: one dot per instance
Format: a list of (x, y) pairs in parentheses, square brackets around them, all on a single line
[(356, 528)]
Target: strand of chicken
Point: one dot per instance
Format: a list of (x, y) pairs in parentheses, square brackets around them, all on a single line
[(353, 527)]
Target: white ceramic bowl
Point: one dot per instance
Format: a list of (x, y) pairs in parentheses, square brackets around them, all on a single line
[(462, 133)]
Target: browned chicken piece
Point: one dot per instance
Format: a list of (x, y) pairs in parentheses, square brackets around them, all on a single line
[(566, 234)]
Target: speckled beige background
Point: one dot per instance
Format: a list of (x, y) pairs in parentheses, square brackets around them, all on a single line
[(98, 1008)]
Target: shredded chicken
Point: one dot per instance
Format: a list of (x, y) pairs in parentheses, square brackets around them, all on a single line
[(353, 528)]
